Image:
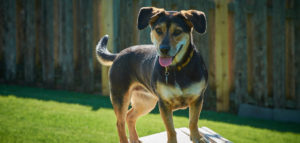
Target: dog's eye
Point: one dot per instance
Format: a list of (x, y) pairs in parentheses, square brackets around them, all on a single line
[(177, 32), (158, 31)]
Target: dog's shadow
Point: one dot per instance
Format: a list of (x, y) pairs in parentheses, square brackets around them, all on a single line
[(97, 101)]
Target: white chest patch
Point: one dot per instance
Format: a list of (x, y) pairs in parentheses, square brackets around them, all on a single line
[(169, 92)]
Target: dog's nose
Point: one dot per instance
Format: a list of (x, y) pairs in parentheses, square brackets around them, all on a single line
[(164, 49)]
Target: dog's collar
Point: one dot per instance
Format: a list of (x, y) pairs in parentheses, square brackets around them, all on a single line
[(186, 59), (179, 67)]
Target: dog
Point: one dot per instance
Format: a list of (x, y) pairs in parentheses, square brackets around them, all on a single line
[(170, 72)]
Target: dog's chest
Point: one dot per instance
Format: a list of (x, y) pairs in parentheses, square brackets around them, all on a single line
[(178, 96)]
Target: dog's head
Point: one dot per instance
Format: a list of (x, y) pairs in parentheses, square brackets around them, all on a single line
[(171, 31)]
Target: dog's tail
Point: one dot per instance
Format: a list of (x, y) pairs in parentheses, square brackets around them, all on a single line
[(103, 55)]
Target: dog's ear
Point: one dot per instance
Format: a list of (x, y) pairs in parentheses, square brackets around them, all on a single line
[(146, 14), (196, 18)]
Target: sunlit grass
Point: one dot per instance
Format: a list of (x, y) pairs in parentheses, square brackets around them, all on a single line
[(39, 115)]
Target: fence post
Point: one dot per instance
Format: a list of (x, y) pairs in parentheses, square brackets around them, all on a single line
[(222, 70), (9, 38), (260, 52), (107, 27)]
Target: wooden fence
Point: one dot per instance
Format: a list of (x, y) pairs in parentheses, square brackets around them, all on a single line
[(251, 47)]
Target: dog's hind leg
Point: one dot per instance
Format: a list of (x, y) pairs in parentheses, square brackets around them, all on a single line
[(120, 106), (142, 103)]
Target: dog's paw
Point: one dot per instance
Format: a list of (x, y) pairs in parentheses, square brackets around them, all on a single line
[(198, 139)]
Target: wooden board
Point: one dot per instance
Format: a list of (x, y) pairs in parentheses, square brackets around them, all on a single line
[(107, 27), (240, 52), (9, 41), (260, 52), (144, 35), (221, 41), (278, 52), (45, 18), (183, 136), (290, 74), (84, 41), (28, 43), (297, 52), (65, 43), (96, 37), (2, 65)]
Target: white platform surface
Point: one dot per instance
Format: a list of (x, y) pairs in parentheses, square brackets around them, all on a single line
[(183, 136)]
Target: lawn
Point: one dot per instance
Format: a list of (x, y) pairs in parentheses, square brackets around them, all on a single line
[(39, 115)]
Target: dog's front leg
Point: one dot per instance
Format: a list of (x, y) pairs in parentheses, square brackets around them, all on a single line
[(194, 113), (167, 116)]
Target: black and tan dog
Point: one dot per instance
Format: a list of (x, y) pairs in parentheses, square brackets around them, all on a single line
[(170, 72)]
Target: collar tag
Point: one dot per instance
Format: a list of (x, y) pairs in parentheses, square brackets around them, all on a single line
[(166, 74)]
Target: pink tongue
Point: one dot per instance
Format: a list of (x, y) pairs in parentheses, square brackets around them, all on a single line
[(165, 61)]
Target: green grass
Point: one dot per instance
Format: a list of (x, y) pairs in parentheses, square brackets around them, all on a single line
[(40, 115)]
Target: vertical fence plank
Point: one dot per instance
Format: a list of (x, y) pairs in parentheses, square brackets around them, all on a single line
[(45, 42), (278, 52), (201, 40), (107, 27), (158, 3), (269, 61), (231, 47), (96, 38), (57, 50), (135, 31), (211, 92), (290, 57), (21, 39), (297, 51), (259, 50), (84, 44), (65, 33), (144, 35), (9, 40), (240, 52), (289, 65), (126, 24), (2, 65), (115, 21), (29, 40), (250, 72), (168, 4), (222, 71)]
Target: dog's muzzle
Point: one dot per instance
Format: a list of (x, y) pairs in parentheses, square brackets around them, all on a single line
[(164, 59), (164, 49)]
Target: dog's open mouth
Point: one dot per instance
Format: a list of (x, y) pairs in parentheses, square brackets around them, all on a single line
[(165, 61)]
